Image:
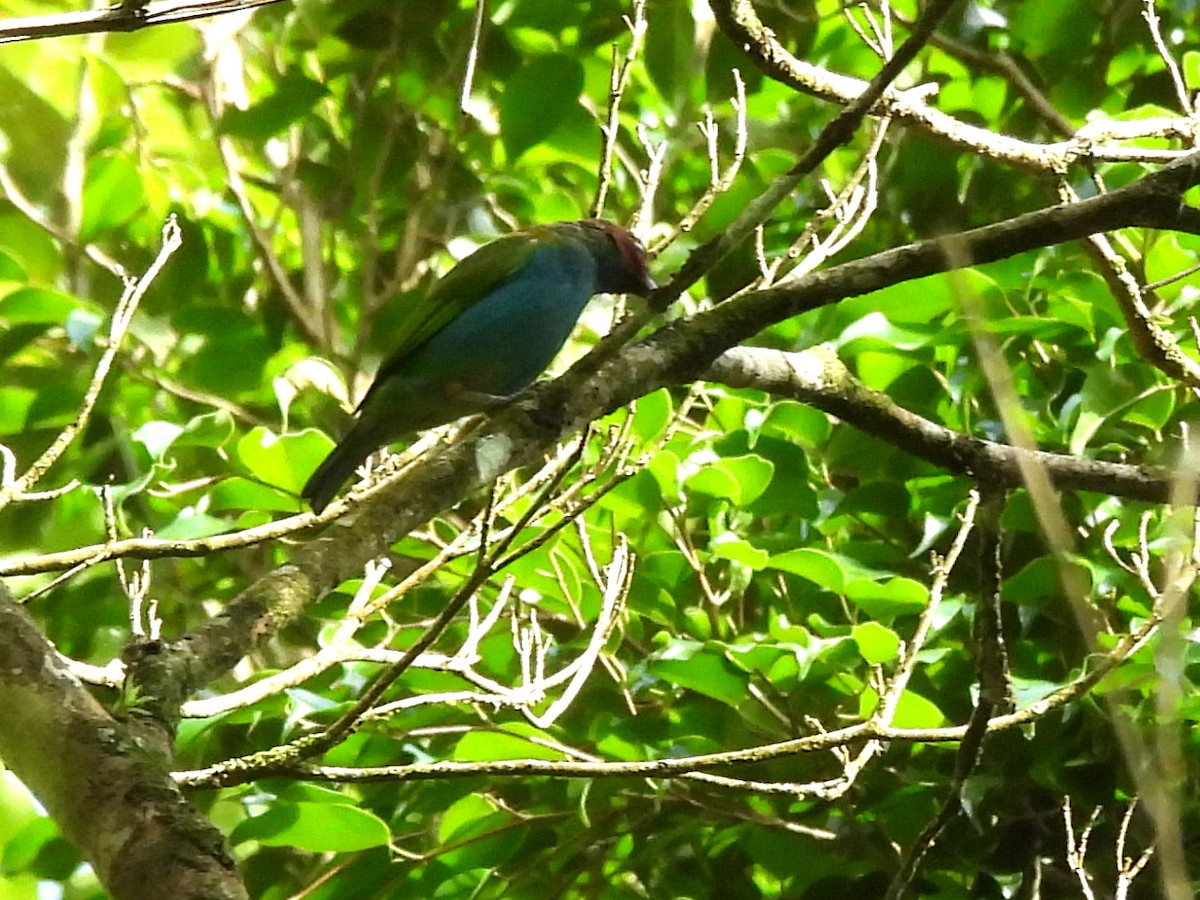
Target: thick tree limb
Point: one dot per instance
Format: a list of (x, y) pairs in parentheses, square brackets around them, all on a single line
[(677, 353), (102, 782), (1155, 201)]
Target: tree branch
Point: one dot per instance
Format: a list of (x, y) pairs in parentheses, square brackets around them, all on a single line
[(105, 785), (740, 23), (680, 352), (817, 377), (126, 17)]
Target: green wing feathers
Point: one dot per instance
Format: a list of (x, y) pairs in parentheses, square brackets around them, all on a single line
[(471, 279)]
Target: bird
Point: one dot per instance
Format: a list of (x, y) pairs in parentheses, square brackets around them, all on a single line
[(487, 329)]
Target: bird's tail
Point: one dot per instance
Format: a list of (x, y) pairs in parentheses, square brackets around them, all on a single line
[(337, 468)]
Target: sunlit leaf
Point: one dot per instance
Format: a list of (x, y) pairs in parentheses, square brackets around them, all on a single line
[(316, 827)]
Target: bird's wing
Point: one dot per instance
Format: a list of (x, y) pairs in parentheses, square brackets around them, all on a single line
[(468, 282)]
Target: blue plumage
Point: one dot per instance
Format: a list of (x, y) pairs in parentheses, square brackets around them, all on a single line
[(488, 328)]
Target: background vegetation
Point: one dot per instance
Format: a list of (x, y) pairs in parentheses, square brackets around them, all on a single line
[(719, 621)]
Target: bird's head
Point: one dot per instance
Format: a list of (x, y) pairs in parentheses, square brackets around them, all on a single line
[(621, 263)]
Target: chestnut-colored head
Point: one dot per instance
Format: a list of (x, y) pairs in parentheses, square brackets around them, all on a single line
[(622, 266)]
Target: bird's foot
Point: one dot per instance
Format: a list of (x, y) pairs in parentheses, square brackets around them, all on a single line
[(531, 403), (528, 403)]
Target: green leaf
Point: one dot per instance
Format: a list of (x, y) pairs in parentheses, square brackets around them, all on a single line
[(295, 94), (651, 414), (464, 816), (664, 466), (37, 305), (284, 461), (696, 667), (11, 270), (878, 370), (731, 547), (1126, 63), (17, 810), (739, 479), (151, 53), (1106, 392), (38, 848), (916, 303), (1041, 578), (634, 500), (713, 481), (889, 597), (798, 423), (232, 356), (913, 710), (536, 99), (112, 195), (190, 525), (475, 830), (876, 643), (213, 429), (829, 570), (670, 52), (316, 827), (310, 373), (1191, 69), (242, 493), (1030, 690), (489, 745), (1064, 28), (875, 331)]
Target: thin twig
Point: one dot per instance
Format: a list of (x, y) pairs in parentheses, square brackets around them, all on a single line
[(120, 18), (29, 210), (1150, 14), (719, 181), (610, 130), (122, 317), (464, 95)]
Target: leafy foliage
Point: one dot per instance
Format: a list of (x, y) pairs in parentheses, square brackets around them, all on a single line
[(723, 569)]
